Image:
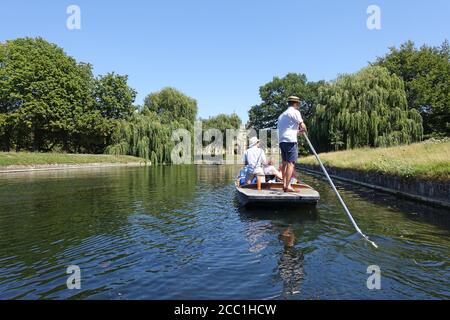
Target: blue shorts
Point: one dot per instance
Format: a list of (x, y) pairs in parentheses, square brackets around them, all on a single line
[(289, 151)]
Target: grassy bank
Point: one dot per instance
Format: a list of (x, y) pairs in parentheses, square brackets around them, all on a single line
[(29, 159), (428, 160)]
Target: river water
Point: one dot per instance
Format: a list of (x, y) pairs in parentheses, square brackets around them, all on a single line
[(179, 233)]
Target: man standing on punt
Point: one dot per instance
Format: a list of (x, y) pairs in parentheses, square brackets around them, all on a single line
[(290, 125)]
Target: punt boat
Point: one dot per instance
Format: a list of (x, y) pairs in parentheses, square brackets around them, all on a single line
[(273, 194)]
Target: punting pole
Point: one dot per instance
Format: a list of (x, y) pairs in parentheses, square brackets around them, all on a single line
[(337, 193)]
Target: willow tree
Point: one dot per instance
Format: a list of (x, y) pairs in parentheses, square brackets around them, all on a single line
[(368, 108), (143, 136), (426, 73), (148, 134), (169, 104)]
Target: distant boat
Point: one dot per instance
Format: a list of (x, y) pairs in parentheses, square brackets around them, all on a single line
[(273, 194)]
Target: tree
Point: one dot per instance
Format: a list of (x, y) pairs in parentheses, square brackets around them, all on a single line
[(170, 104), (92, 132), (113, 97), (50, 102), (222, 122), (426, 73), (143, 135), (148, 134), (42, 91), (274, 99), (368, 108)]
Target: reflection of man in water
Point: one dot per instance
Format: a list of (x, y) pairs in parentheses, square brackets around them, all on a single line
[(290, 266)]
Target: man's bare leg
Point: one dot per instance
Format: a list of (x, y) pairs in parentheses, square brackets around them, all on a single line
[(279, 174), (289, 172), (283, 172)]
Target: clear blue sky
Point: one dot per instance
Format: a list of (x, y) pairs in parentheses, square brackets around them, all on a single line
[(220, 52)]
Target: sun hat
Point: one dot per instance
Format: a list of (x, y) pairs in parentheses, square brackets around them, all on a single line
[(293, 99), (253, 141)]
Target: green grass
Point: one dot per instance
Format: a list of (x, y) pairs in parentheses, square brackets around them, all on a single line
[(428, 160), (28, 158)]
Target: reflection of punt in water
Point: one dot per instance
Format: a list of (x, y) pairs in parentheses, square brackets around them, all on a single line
[(273, 194)]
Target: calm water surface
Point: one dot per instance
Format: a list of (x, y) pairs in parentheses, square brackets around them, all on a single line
[(179, 233)]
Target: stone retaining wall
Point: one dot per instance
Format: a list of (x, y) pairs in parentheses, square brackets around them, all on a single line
[(430, 191)]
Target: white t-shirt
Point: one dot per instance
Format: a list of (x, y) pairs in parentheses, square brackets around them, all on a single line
[(255, 157), (288, 125)]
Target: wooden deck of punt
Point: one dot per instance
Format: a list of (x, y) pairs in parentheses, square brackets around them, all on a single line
[(273, 194)]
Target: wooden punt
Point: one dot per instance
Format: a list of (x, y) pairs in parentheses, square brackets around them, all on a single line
[(273, 194)]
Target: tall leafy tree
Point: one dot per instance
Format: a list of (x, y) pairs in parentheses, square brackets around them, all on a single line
[(42, 90), (113, 97), (274, 99), (222, 122), (148, 133), (48, 101), (170, 104), (368, 108), (426, 73)]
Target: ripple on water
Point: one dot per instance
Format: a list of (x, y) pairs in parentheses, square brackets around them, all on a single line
[(179, 233)]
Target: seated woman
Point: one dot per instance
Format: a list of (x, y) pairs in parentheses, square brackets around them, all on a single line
[(270, 170), (254, 159)]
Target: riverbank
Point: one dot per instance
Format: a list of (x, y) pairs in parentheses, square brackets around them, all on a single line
[(419, 171), (26, 161)]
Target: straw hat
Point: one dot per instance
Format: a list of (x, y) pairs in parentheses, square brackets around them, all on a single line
[(293, 99), (253, 141)]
